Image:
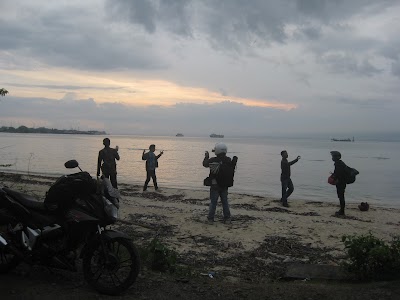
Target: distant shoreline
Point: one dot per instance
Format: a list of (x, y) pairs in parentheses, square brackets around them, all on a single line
[(44, 130)]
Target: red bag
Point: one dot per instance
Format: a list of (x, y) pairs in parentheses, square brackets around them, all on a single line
[(332, 180)]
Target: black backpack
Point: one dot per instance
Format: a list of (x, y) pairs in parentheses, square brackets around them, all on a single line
[(351, 174), (226, 172), (62, 193)]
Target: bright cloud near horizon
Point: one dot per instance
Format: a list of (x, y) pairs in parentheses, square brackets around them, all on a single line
[(158, 67)]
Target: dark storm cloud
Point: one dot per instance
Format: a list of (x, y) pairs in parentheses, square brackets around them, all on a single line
[(396, 68), (240, 21), (391, 49), (72, 37), (46, 109), (65, 87), (172, 14), (226, 23), (97, 37), (13, 36), (345, 63), (312, 32), (230, 118), (379, 104), (238, 26), (327, 11)]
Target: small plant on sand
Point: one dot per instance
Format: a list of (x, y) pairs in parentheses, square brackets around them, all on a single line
[(372, 258), (159, 257)]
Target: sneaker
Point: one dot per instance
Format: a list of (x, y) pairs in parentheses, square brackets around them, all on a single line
[(285, 204), (339, 213), (210, 221), (228, 221)]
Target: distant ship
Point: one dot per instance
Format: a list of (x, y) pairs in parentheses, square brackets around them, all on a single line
[(216, 135), (179, 134), (343, 140)]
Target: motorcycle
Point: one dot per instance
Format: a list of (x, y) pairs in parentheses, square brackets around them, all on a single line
[(67, 227)]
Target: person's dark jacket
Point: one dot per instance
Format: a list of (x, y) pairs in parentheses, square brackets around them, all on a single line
[(214, 161), (340, 172), (107, 156), (145, 157), (285, 167)]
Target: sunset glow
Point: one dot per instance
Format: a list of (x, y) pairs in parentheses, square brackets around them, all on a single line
[(124, 88)]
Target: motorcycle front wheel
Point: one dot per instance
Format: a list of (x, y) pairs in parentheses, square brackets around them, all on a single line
[(8, 260), (113, 269)]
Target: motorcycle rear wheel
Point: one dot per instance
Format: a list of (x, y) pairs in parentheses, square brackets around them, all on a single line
[(115, 271)]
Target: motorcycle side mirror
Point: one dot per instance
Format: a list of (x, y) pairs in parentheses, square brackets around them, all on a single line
[(71, 164)]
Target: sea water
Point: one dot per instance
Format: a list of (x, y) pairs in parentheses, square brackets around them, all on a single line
[(258, 168)]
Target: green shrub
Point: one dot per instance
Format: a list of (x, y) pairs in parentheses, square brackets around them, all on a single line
[(158, 257), (371, 258)]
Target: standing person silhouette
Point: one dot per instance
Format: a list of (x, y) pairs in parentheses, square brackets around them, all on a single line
[(107, 156), (339, 174), (151, 165), (218, 190), (286, 181)]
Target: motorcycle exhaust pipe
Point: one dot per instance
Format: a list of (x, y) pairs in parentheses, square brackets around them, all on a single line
[(3, 242), (18, 254), (13, 250)]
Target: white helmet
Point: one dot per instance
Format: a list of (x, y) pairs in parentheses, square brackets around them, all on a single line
[(220, 148)]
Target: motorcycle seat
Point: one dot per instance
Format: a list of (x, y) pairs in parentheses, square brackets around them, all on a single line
[(26, 200)]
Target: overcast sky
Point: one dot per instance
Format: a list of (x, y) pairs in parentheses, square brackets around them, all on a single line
[(240, 68)]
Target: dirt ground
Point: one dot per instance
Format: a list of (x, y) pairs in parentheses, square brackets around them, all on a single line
[(243, 269), (41, 283)]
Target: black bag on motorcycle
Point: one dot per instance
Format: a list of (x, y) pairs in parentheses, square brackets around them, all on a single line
[(62, 193)]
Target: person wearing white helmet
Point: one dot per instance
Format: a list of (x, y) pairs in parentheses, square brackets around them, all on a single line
[(218, 190)]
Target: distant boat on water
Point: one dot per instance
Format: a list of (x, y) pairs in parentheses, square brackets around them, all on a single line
[(213, 135), (343, 140), (179, 134)]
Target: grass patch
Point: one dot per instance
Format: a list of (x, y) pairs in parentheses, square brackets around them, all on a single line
[(159, 257), (370, 258)]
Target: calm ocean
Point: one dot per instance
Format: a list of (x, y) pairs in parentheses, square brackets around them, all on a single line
[(258, 168)]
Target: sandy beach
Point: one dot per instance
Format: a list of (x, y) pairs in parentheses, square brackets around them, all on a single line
[(179, 218), (263, 236)]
